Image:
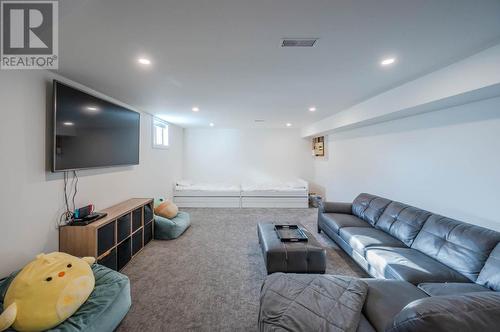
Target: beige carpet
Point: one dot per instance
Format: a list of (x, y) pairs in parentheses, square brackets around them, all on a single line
[(209, 279)]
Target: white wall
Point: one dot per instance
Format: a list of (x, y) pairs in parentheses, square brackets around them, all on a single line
[(447, 162), (31, 198), (239, 155)]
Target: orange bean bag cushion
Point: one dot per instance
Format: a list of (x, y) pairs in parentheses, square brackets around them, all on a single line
[(166, 209)]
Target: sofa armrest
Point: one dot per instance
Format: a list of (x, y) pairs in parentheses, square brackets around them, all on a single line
[(335, 207)]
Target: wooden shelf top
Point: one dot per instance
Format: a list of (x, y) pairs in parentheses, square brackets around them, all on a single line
[(118, 210)]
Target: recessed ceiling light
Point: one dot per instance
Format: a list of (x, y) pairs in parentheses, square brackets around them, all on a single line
[(68, 123), (288, 124), (388, 61), (312, 109), (92, 108), (195, 109), (144, 61), (211, 124)]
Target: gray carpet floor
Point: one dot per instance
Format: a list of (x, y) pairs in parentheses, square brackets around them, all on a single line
[(209, 279)]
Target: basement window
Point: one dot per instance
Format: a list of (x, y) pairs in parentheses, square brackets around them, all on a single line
[(160, 134)]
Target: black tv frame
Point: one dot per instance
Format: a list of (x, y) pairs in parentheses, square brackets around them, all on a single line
[(54, 124)]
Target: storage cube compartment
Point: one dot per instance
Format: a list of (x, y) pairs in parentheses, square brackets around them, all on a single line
[(136, 242), (136, 219), (148, 233), (124, 229), (105, 238), (124, 253), (109, 260), (148, 213)]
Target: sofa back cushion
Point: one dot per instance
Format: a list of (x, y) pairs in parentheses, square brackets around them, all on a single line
[(402, 221), (490, 274), (466, 312), (369, 207), (461, 246)]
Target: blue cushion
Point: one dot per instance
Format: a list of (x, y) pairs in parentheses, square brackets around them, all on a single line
[(103, 311), (168, 229)]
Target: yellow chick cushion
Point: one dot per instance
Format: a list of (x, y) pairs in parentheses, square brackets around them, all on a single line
[(47, 291), (166, 209)]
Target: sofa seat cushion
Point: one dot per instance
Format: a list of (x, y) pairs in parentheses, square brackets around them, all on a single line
[(451, 288), (410, 265), (336, 221), (360, 238), (105, 308), (386, 298)]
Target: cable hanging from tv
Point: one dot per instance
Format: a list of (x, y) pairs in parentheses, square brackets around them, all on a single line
[(67, 215)]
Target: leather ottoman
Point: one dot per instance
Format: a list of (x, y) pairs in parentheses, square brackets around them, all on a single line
[(290, 257)]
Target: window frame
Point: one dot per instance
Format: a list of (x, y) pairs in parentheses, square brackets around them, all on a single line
[(154, 127)]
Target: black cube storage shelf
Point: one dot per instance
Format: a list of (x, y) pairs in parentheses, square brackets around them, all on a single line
[(115, 239)]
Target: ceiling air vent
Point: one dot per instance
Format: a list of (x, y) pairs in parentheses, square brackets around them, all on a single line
[(259, 120), (298, 42)]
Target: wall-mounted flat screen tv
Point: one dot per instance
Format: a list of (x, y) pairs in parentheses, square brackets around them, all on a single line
[(90, 132)]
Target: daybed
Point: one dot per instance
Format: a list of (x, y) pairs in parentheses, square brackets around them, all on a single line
[(284, 194)]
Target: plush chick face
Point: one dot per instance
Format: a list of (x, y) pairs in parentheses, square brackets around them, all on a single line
[(49, 290)]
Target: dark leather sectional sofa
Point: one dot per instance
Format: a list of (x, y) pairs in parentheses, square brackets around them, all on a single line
[(432, 273)]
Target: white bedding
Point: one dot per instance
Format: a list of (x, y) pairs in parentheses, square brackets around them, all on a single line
[(205, 186), (285, 186), (288, 186)]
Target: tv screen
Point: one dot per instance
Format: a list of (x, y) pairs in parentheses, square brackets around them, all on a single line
[(90, 132)]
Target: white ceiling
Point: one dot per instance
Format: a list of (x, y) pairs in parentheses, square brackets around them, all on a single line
[(225, 56)]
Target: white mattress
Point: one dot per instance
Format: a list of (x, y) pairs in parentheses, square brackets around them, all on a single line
[(188, 189), (298, 188), (275, 193), (205, 193)]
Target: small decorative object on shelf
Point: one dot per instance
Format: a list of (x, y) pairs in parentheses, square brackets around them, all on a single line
[(315, 200), (318, 146)]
